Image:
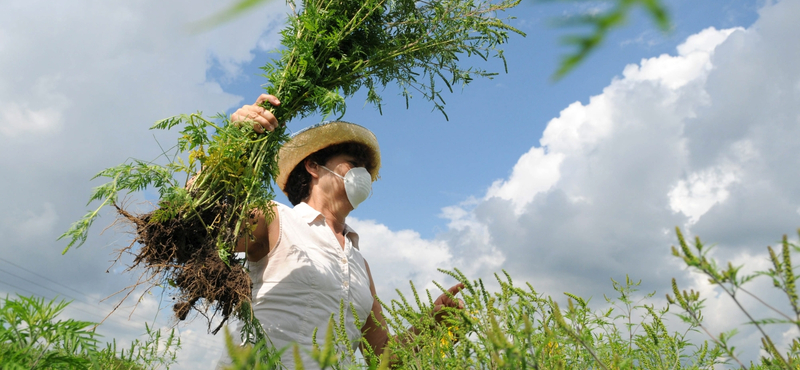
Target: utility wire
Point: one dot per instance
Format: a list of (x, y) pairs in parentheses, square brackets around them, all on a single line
[(57, 293), (199, 342), (41, 276), (37, 284), (192, 340), (62, 285), (74, 290), (18, 288)]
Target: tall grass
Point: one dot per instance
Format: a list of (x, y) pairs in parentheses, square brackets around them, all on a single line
[(33, 337), (516, 327), (510, 327)]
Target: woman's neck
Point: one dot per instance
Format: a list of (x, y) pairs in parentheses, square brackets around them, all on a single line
[(335, 214)]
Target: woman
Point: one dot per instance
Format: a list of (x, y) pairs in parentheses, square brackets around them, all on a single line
[(304, 261)]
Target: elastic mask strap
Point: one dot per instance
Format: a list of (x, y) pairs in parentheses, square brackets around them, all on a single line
[(329, 170)]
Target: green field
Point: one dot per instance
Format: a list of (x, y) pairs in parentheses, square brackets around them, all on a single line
[(511, 328)]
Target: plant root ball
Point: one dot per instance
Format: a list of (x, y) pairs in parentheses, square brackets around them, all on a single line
[(181, 253)]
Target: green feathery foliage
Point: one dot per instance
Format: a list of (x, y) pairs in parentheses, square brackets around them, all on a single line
[(512, 328), (732, 283), (330, 50), (517, 328), (600, 25), (32, 337)]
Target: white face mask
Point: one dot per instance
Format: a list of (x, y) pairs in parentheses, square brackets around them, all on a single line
[(357, 184)]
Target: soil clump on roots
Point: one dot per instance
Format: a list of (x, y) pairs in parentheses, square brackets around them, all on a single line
[(181, 253)]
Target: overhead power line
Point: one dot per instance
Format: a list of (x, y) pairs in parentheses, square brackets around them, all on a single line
[(41, 276), (16, 287), (191, 340), (61, 285)]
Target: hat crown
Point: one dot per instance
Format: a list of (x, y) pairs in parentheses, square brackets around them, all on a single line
[(322, 135)]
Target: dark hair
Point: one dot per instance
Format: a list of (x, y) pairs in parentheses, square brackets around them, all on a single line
[(298, 185)]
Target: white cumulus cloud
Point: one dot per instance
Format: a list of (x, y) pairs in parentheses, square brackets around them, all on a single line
[(397, 257), (705, 138), (700, 191), (80, 83)]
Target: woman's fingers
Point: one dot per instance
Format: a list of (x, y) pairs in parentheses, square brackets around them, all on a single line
[(254, 114), (265, 117), (267, 97), (448, 300), (456, 288), (263, 120)]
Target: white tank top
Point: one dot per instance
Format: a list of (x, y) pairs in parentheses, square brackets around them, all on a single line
[(304, 278)]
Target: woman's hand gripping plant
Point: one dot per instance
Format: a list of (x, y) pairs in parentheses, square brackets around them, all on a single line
[(331, 49)]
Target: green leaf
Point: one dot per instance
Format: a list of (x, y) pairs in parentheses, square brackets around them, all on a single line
[(236, 10)]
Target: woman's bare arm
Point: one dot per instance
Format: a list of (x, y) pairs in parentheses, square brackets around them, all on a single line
[(263, 238), (375, 330)]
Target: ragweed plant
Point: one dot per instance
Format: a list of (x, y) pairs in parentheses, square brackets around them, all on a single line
[(330, 50), (518, 328), (515, 327), (732, 283), (598, 22), (33, 337)]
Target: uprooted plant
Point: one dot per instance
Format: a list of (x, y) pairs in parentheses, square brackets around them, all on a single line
[(331, 49)]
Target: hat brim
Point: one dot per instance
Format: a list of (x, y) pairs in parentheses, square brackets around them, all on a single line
[(320, 136)]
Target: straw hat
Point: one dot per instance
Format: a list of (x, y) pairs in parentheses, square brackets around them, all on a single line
[(317, 137)]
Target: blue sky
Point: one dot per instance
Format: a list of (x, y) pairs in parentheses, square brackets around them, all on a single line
[(493, 121), (563, 184)]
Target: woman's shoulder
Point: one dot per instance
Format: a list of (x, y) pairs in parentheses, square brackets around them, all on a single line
[(279, 205), (285, 210)]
